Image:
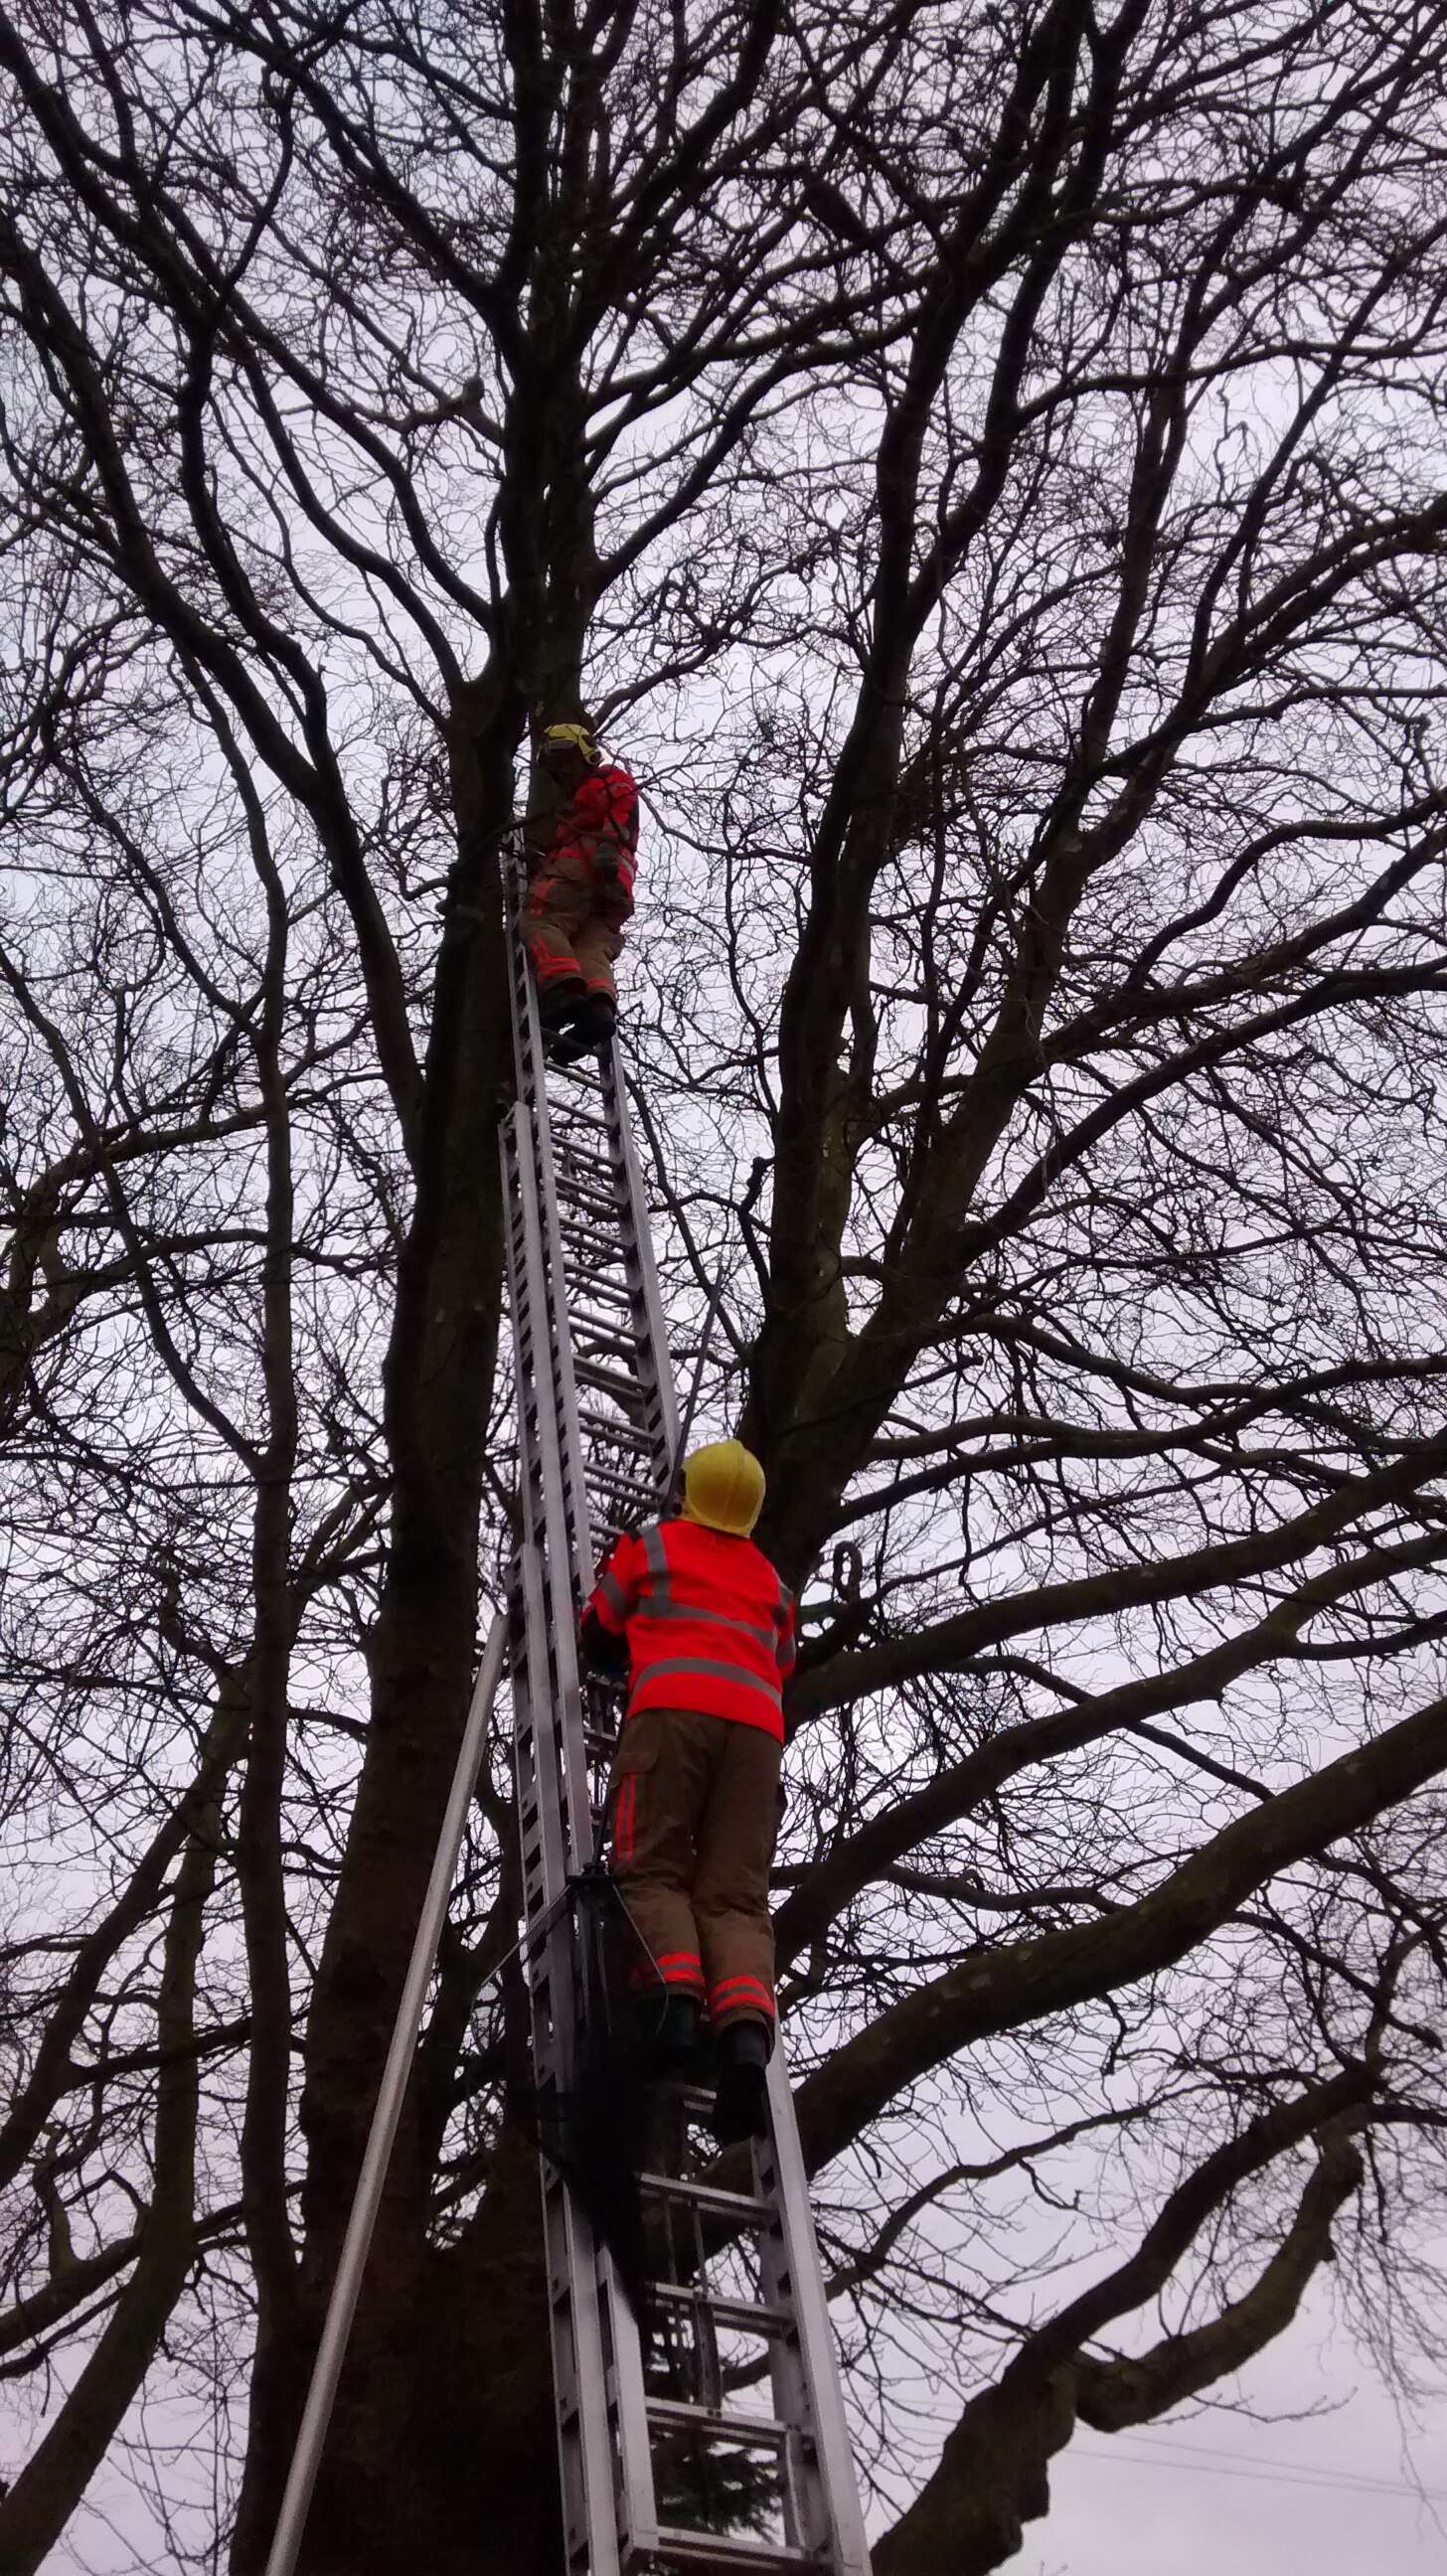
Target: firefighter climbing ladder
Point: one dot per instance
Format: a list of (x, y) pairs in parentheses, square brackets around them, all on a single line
[(670, 2464)]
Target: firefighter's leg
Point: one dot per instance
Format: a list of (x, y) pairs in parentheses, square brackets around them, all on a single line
[(553, 916), (655, 1797), (736, 1838), (595, 946)]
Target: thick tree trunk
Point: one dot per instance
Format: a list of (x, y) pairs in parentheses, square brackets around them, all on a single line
[(439, 1377)]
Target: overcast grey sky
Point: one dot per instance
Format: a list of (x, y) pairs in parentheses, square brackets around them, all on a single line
[(1132, 2506)]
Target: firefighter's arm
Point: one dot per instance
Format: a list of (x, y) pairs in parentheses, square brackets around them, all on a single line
[(786, 1651), (603, 1630), (606, 806)]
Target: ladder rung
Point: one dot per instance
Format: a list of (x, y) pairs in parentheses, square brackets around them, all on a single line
[(716, 2554), (606, 1381), (574, 1186), (708, 2200), (583, 1141), (744, 2316), (601, 1246), (624, 1435), (696, 2099), (588, 1286), (630, 1488), (678, 2415), (586, 1209)]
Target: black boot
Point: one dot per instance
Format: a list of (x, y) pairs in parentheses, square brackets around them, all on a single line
[(590, 1032), (668, 2030), (738, 2107), (559, 1003), (679, 2038)]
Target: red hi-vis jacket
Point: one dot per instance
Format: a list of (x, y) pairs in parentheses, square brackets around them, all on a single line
[(601, 816), (710, 1627)]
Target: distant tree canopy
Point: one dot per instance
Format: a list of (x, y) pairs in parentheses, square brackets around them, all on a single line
[(985, 468)]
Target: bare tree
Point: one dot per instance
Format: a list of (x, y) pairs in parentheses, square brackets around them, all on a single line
[(984, 466)]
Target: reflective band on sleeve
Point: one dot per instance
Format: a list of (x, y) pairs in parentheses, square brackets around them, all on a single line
[(611, 1595), (659, 1596)]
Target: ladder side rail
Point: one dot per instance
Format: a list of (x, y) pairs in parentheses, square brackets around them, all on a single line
[(548, 1879), (556, 1494), (569, 1572), (578, 2331), (569, 1543), (545, 1869), (649, 1325), (597, 2360), (779, 2164), (575, 2322), (526, 1024), (636, 2502)]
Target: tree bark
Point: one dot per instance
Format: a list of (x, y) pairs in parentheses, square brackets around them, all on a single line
[(438, 1384)]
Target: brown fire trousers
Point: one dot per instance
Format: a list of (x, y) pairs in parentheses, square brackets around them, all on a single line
[(694, 1804), (573, 926)]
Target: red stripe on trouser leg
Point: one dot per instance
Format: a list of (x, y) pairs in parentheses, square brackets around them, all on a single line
[(678, 1969), (724, 1988), (740, 1994), (550, 969), (671, 1968), (595, 945)]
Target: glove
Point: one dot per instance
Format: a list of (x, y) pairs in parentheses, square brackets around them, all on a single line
[(606, 1654)]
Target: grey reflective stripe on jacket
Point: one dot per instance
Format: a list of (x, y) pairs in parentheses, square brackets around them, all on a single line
[(613, 1593), (660, 1605), (700, 1665), (657, 1557)]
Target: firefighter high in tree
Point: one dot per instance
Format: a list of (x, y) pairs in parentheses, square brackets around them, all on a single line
[(581, 867), (694, 1798)]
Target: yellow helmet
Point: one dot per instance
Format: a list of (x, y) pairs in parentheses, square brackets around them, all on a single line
[(568, 737), (723, 1486)]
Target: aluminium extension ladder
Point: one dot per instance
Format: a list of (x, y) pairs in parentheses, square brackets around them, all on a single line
[(663, 2469)]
